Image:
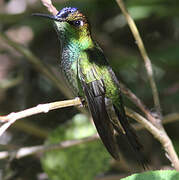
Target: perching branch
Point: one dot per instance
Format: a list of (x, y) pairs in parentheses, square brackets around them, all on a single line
[(144, 55), (26, 151), (41, 108)]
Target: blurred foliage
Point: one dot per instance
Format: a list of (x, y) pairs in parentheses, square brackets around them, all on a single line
[(75, 162), (158, 23)]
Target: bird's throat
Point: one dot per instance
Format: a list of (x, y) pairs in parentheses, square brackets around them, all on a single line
[(68, 36)]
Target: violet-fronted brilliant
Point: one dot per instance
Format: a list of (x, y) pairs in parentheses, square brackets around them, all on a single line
[(91, 78)]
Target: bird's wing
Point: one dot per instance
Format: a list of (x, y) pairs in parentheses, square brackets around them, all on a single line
[(95, 95), (126, 127)]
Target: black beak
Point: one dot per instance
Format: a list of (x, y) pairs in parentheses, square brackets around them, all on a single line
[(55, 18)]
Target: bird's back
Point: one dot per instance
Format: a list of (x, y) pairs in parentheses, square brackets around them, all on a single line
[(94, 66)]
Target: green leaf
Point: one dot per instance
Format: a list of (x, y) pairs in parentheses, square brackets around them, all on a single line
[(155, 175), (83, 161)]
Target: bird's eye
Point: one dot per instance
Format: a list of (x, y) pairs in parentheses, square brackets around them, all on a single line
[(77, 23)]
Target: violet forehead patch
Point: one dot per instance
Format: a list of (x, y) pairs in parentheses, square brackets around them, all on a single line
[(66, 11)]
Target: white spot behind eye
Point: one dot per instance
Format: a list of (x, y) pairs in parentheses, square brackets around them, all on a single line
[(81, 23)]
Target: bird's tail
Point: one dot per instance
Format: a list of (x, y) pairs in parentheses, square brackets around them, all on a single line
[(96, 102), (131, 135)]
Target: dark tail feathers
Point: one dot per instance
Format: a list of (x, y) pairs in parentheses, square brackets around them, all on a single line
[(131, 137)]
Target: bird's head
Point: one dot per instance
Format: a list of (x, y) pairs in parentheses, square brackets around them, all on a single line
[(71, 25)]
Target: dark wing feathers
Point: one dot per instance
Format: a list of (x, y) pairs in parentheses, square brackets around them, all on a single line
[(131, 135), (129, 131), (95, 95)]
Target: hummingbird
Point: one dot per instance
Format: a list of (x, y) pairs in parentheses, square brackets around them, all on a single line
[(88, 72)]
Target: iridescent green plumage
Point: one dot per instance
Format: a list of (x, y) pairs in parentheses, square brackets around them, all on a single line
[(90, 76)]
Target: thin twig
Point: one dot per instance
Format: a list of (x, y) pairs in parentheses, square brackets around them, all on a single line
[(48, 3), (144, 54), (8, 83), (41, 108), (166, 119), (171, 117), (131, 96), (26, 151), (159, 134)]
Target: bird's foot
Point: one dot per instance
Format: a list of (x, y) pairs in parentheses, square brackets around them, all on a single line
[(83, 102)]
